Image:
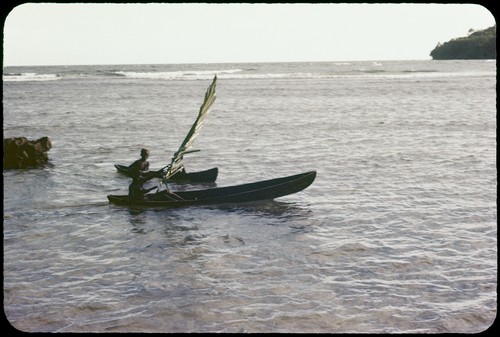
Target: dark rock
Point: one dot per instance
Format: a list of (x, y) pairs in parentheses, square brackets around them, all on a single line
[(19, 152)]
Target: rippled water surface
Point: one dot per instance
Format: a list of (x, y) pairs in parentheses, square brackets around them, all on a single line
[(397, 234)]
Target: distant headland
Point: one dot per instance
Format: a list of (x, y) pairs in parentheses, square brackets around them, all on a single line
[(477, 45)]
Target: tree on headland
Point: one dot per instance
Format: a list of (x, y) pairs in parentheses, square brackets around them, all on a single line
[(479, 44)]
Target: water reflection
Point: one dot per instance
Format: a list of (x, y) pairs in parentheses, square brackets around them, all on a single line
[(137, 219), (271, 208), (177, 226), (174, 220), (267, 207)]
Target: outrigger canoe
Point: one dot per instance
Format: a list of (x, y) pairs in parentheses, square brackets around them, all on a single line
[(250, 192), (207, 176)]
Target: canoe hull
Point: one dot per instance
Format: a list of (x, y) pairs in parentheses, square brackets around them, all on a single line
[(251, 192), (207, 176)]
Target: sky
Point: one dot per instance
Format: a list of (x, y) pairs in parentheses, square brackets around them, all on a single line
[(163, 33)]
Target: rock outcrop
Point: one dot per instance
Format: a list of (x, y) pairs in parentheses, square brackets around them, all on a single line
[(19, 152)]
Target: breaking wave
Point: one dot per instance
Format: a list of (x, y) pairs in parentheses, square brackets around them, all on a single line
[(30, 77), (328, 70), (178, 75)]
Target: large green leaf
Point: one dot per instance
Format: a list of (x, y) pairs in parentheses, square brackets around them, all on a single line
[(177, 160)]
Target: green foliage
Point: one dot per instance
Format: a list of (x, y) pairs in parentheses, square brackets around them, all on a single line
[(478, 45)]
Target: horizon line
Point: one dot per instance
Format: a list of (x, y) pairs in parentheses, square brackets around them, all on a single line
[(188, 63)]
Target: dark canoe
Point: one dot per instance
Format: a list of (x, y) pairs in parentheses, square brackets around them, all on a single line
[(251, 192), (207, 176)]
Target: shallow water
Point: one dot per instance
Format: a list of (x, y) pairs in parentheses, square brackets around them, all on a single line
[(397, 234)]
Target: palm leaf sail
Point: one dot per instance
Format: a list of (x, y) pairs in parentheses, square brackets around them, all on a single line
[(177, 162)]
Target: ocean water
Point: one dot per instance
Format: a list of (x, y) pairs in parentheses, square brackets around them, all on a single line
[(398, 233)]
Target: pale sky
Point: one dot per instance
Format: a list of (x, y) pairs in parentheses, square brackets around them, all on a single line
[(78, 34)]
